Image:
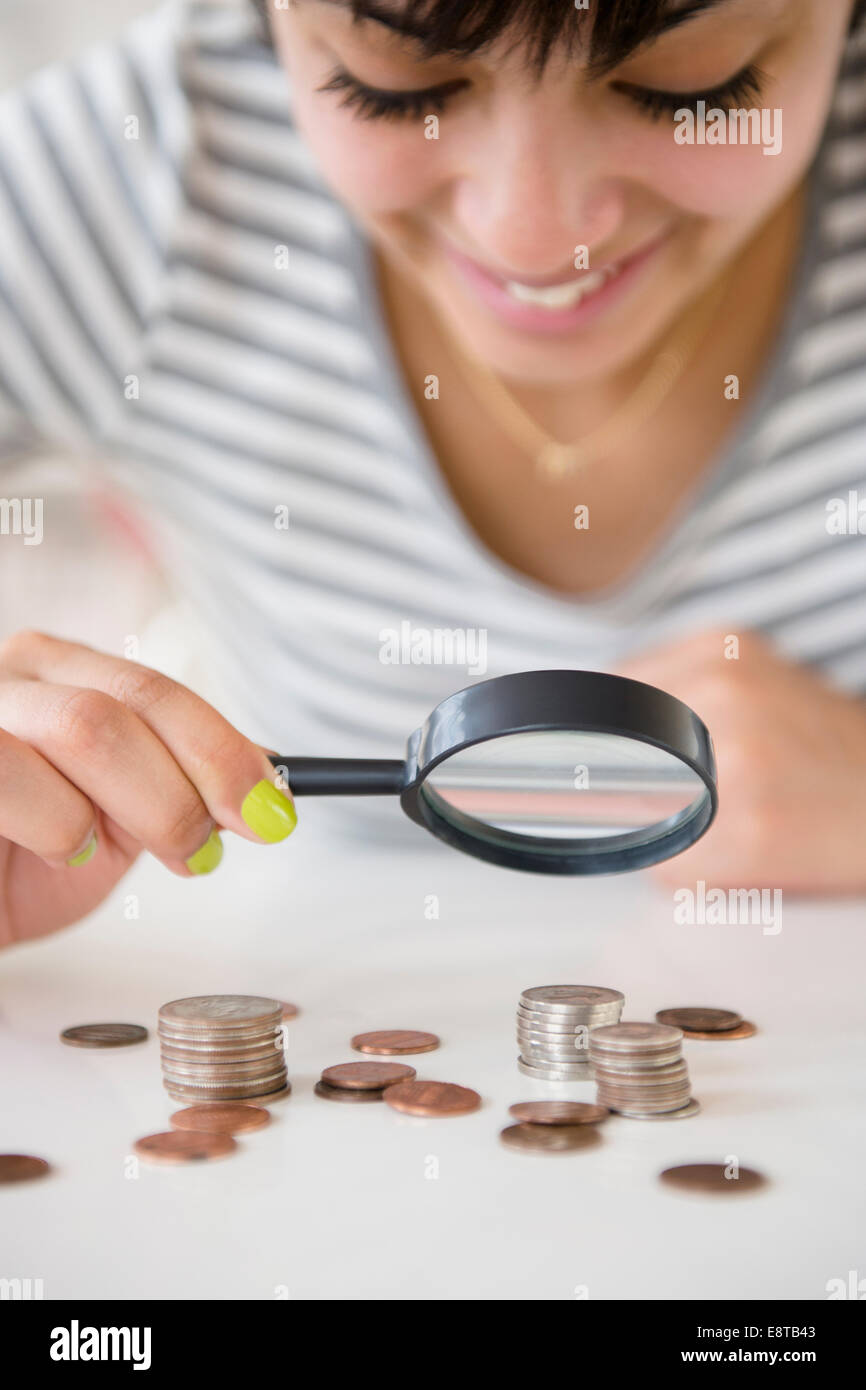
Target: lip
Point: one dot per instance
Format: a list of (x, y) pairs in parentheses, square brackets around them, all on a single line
[(490, 289)]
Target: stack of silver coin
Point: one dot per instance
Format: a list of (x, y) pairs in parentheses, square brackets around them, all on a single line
[(640, 1069), (217, 1047), (553, 1024)]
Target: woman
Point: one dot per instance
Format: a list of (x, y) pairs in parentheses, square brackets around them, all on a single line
[(539, 329)]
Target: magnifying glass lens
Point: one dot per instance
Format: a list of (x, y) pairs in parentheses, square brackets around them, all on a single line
[(560, 785)]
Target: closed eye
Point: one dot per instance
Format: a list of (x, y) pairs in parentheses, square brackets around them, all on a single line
[(377, 103), (743, 89)]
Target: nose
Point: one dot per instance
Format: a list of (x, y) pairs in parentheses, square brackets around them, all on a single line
[(532, 191)]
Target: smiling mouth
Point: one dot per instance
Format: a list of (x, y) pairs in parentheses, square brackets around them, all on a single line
[(558, 300), (555, 298)]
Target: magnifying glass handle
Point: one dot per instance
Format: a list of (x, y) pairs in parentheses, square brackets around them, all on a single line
[(342, 776)]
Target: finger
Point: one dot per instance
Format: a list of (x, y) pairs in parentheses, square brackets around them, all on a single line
[(41, 810), (119, 764), (231, 773)]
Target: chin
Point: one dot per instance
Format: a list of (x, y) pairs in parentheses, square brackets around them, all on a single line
[(525, 359)]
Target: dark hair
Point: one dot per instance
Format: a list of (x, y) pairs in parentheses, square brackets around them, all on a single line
[(462, 27)]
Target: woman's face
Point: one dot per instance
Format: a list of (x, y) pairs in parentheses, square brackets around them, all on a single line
[(488, 216)]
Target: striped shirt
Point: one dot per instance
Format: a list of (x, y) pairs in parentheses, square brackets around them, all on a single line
[(181, 295)]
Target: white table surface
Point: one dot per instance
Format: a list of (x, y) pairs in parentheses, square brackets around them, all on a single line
[(335, 1201)]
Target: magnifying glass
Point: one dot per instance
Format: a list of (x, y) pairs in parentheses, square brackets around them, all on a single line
[(553, 772)]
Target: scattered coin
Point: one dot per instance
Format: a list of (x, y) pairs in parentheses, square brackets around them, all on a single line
[(558, 1112), (742, 1030), (220, 1119), (432, 1098), (711, 1178), (340, 1093), (183, 1146), (22, 1167), (549, 1138), (367, 1076), (104, 1035), (700, 1020), (395, 1042)]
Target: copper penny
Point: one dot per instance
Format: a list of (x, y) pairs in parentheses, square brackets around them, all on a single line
[(394, 1042), (327, 1092), (742, 1030), (710, 1178), (700, 1020), (183, 1146), (549, 1138), (289, 1010), (558, 1112), (432, 1098), (22, 1167), (220, 1119), (104, 1035), (366, 1076)]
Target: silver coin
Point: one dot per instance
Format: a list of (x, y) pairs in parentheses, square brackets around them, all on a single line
[(221, 1010), (228, 1059), (628, 1100), (558, 997), (555, 1035), (684, 1112), (273, 1078), (623, 1062), (207, 1045), (262, 1098), (217, 1037), (239, 1071), (556, 1059), (592, 1018), (662, 1076), (554, 1073), (544, 1046), (634, 1107), (638, 1036)]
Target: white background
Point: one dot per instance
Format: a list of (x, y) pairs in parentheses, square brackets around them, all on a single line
[(332, 1200)]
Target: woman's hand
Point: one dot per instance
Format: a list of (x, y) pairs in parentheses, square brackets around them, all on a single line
[(791, 754), (101, 758)]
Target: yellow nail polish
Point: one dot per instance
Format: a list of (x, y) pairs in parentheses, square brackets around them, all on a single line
[(205, 860), (87, 853), (269, 812)]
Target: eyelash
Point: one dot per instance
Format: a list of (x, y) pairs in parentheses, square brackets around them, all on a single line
[(741, 89), (375, 104)]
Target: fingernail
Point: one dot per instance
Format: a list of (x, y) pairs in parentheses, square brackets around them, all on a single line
[(268, 812), (87, 853), (205, 860)]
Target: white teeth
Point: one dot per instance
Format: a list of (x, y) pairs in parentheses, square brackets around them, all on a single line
[(558, 296)]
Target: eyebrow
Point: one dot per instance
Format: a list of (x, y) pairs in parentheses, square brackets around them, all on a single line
[(368, 9)]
